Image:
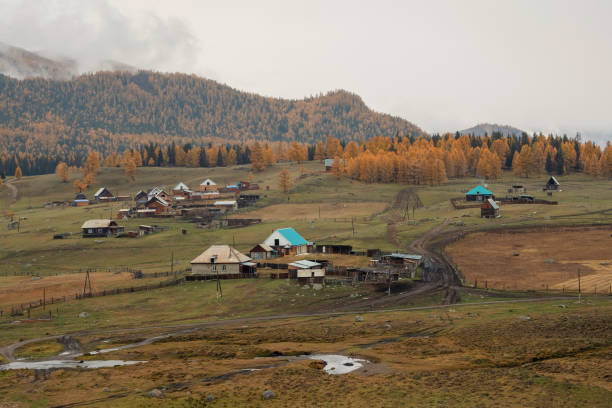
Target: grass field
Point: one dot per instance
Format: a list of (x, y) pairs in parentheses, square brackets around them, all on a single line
[(537, 260)]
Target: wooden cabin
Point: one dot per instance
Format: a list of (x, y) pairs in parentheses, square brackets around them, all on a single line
[(100, 228), (221, 260), (158, 204), (141, 197), (489, 209), (478, 193), (552, 185), (261, 252), (103, 194)]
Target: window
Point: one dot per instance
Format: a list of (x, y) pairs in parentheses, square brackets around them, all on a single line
[(214, 267), (276, 242), (223, 267)]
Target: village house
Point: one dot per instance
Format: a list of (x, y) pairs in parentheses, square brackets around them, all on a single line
[(407, 264), (227, 206), (159, 192), (103, 194), (286, 241), (478, 193), (221, 260), (306, 271), (261, 252), (552, 185), (329, 164), (100, 228), (158, 204), (141, 197), (181, 190), (80, 200), (489, 209), (208, 185)]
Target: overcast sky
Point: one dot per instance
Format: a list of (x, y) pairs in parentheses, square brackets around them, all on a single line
[(444, 65)]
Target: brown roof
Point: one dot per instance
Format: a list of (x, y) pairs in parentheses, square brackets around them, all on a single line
[(98, 223), (263, 246), (224, 254)]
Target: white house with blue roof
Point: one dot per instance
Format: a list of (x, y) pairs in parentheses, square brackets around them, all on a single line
[(287, 241)]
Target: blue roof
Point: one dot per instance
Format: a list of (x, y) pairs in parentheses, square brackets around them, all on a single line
[(292, 236), (479, 190)]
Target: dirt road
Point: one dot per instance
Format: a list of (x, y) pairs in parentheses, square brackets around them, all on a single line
[(14, 195)]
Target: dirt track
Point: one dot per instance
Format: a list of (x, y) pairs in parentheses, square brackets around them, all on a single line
[(14, 195)]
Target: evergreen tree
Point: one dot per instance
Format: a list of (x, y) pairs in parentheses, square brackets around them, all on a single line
[(550, 167), (560, 162)]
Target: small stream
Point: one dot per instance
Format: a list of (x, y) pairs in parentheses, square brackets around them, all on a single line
[(55, 364)]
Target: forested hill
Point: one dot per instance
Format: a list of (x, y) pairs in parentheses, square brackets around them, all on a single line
[(178, 107)]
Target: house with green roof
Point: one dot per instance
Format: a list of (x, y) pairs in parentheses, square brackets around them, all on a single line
[(287, 241), (478, 193)]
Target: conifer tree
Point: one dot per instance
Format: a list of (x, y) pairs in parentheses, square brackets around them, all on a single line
[(18, 173), (62, 172), (284, 181)]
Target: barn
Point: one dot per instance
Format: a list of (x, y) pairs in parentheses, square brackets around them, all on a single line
[(100, 228), (478, 193), (221, 260), (286, 241), (489, 209)]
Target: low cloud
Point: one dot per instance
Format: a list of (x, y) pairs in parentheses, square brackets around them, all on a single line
[(94, 32)]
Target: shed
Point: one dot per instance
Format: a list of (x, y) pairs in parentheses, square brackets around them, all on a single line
[(228, 205), (100, 228), (221, 260), (552, 184), (261, 251), (306, 271), (287, 241), (489, 209), (334, 249), (328, 164), (80, 200), (478, 193)]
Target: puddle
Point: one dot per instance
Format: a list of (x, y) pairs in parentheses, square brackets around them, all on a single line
[(337, 364), (50, 364)]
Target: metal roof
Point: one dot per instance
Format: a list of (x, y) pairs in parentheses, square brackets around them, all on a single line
[(493, 204), (229, 202), (181, 186), (292, 236), (304, 264), (479, 190), (208, 182), (406, 256), (554, 181), (329, 162)]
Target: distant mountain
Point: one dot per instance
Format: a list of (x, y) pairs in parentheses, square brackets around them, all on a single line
[(19, 63), (490, 128)]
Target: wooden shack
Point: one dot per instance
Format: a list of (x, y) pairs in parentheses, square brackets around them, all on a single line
[(489, 209), (552, 185), (100, 228)]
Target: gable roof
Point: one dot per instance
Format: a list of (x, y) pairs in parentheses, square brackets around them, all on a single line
[(223, 254), (292, 236), (208, 182), (553, 180), (405, 256), (493, 204), (159, 200), (180, 186), (262, 246), (100, 191), (479, 190)]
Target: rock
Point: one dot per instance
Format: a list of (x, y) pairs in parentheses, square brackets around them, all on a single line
[(358, 319), (387, 326), (349, 364), (317, 364), (106, 390), (524, 317), (210, 398), (562, 306), (155, 393), (83, 314), (267, 394), (317, 286)]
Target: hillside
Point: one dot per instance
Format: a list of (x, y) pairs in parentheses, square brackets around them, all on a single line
[(483, 129), (110, 111)]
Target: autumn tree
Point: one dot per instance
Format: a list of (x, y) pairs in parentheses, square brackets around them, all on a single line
[(92, 165), (62, 172), (257, 157), (284, 181), (18, 173), (337, 167), (130, 169)]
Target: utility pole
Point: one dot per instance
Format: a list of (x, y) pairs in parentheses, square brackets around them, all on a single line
[(44, 297), (172, 263), (353, 225), (579, 288), (389, 281)]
